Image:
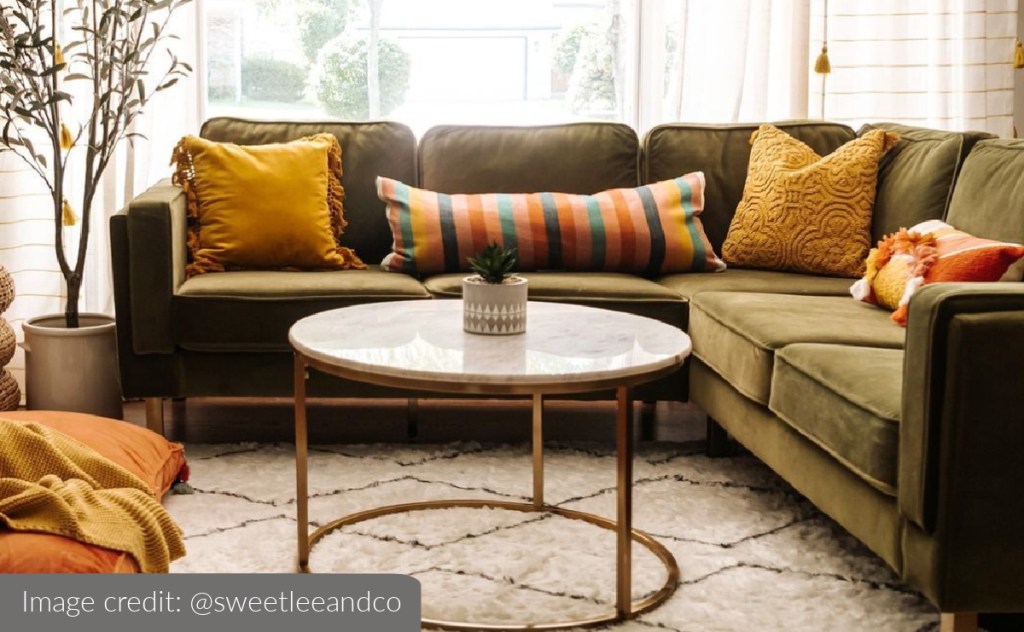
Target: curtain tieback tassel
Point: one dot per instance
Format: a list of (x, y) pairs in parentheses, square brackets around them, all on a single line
[(68, 215), (1018, 54), (67, 141), (822, 65)]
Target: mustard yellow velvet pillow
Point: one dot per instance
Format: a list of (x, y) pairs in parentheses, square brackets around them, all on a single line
[(263, 206), (806, 213)]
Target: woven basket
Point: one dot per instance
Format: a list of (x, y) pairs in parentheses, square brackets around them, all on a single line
[(10, 392), (6, 289), (8, 342)]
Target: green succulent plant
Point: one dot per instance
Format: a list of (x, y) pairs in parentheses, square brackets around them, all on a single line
[(494, 263)]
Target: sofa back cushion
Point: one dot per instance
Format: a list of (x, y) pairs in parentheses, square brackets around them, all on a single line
[(722, 152), (368, 150), (916, 177), (574, 158), (988, 200)]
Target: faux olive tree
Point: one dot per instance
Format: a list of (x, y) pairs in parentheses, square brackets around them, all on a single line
[(108, 45)]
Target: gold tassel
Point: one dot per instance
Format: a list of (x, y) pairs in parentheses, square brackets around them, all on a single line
[(67, 141), (69, 218), (58, 54), (1018, 54), (822, 65)]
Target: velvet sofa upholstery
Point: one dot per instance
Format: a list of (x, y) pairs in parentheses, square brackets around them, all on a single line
[(172, 330), (177, 336), (910, 438)]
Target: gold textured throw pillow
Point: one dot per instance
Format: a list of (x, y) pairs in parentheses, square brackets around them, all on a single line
[(806, 213), (263, 206)]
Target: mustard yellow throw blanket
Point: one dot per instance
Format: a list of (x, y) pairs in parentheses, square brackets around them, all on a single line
[(51, 483)]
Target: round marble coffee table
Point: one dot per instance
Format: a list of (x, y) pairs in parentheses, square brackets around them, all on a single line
[(566, 349)]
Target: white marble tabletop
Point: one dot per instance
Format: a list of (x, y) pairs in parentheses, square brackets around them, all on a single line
[(424, 340)]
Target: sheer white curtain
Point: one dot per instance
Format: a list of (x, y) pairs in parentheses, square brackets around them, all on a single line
[(725, 61), (136, 166), (26, 248), (26, 220), (936, 63)]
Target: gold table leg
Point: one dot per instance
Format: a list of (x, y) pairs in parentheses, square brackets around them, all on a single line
[(538, 450), (624, 522), (625, 608), (639, 607), (301, 465)]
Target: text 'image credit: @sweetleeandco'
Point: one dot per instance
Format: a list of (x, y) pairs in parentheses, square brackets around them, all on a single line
[(384, 603)]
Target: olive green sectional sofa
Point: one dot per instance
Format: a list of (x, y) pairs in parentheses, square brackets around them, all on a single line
[(910, 438)]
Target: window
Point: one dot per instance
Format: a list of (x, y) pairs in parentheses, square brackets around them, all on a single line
[(443, 61), (642, 62)]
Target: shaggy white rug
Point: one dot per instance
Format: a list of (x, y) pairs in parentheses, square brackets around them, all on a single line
[(754, 555)]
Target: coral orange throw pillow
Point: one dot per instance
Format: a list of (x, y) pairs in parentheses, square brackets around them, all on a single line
[(932, 252)]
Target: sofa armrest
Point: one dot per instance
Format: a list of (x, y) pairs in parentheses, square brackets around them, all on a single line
[(156, 231), (962, 424)]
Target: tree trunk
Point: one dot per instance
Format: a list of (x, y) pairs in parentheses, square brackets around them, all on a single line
[(74, 282), (373, 61)]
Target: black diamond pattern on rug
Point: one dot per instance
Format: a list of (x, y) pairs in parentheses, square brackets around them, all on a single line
[(754, 555)]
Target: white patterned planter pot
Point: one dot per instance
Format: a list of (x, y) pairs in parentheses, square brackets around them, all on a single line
[(494, 308)]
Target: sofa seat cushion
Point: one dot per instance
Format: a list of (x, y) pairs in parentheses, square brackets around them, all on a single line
[(608, 290), (737, 333), (253, 310), (689, 284), (847, 400)]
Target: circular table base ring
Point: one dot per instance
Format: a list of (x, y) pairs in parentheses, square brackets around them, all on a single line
[(638, 607)]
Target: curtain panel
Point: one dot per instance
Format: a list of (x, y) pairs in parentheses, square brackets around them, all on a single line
[(26, 216), (723, 62), (936, 63)]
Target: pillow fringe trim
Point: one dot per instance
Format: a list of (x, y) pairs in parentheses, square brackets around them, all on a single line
[(335, 202), (184, 176)]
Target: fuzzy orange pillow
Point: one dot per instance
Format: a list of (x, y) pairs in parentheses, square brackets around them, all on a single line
[(932, 252)]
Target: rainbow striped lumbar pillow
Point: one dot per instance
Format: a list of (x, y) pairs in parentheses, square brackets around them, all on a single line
[(653, 229)]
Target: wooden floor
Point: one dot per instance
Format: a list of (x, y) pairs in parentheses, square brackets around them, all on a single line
[(214, 420)]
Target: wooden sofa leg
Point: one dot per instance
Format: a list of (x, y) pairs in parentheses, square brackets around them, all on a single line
[(412, 418), (155, 414), (959, 622), (648, 417), (718, 443)]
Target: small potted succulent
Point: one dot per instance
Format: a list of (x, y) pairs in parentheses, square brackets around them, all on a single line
[(494, 299)]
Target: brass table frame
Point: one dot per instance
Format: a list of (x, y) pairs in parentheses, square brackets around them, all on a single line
[(625, 608)]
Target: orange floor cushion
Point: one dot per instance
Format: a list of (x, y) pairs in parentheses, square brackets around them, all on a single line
[(158, 462)]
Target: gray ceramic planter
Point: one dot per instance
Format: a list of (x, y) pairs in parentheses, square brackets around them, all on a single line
[(72, 369), (494, 308)]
